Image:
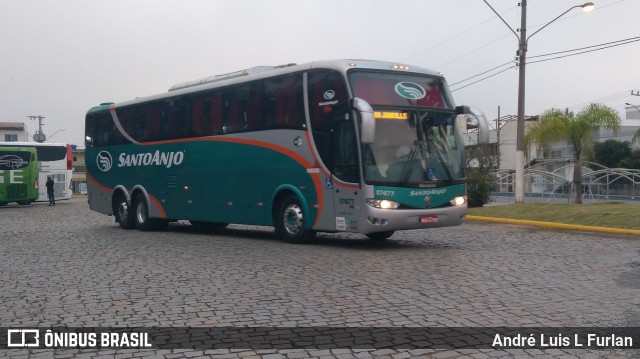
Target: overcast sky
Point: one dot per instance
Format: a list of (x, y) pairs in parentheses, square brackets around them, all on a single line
[(59, 58)]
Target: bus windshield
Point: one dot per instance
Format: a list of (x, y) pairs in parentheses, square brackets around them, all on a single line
[(417, 141), (399, 89)]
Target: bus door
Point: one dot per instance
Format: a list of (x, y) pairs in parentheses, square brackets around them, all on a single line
[(335, 142), (345, 174)]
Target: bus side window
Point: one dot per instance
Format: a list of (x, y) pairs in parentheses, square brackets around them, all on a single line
[(140, 126), (284, 98), (196, 129), (173, 125), (152, 120), (235, 104), (253, 108), (216, 114)]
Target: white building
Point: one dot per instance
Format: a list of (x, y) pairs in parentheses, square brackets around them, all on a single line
[(13, 132)]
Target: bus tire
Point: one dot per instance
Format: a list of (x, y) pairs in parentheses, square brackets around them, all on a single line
[(290, 221), (123, 212), (380, 236), (141, 216), (24, 203)]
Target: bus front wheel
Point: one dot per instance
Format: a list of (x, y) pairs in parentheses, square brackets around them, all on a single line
[(123, 214), (290, 221)]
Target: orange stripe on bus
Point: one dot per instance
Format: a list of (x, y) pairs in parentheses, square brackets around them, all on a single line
[(317, 184), (163, 214), (93, 180)]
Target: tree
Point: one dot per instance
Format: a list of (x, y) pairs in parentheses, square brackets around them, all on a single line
[(610, 152), (632, 161), (556, 125)]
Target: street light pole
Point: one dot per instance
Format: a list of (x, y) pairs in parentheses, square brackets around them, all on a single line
[(522, 57), (628, 104), (55, 133)]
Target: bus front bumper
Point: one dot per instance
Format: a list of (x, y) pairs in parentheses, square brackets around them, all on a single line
[(382, 220)]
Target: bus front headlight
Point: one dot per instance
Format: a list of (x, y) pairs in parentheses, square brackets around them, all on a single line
[(382, 203), (458, 201)]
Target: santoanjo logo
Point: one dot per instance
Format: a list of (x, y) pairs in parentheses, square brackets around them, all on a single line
[(410, 90), (329, 94), (104, 161), (157, 158)]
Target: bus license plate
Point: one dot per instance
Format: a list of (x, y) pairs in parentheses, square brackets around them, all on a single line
[(428, 219)]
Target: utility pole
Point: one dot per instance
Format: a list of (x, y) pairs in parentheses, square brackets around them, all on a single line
[(39, 136), (498, 136)]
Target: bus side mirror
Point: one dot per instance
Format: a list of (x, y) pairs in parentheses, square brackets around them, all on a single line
[(367, 121), (88, 140), (475, 119)]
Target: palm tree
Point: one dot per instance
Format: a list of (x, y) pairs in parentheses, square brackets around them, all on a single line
[(556, 125)]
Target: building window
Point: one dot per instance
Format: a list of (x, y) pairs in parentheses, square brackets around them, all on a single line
[(10, 137)]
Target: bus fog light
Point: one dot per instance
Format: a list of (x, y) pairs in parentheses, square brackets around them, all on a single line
[(459, 201), (377, 221), (382, 203)]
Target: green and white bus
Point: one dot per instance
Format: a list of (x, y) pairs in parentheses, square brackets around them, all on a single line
[(18, 175), (344, 145)]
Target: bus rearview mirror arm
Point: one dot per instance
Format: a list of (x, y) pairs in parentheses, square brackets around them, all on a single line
[(367, 120), (475, 119)]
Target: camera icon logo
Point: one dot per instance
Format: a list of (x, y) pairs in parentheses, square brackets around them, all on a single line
[(21, 338)]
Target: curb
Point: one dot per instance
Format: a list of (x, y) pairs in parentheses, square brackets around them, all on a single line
[(576, 227)]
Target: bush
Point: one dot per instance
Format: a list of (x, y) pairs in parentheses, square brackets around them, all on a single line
[(480, 179), (479, 184)]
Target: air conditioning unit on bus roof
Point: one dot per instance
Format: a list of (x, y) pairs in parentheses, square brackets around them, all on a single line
[(246, 72)]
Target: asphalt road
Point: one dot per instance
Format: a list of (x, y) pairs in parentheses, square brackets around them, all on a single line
[(69, 266)]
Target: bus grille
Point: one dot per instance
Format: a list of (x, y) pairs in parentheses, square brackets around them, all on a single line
[(16, 191)]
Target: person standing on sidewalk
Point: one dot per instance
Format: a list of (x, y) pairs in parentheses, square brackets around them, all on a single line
[(50, 192)]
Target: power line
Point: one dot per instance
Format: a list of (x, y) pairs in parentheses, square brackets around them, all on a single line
[(584, 52), (484, 78), (455, 36), (587, 47), (482, 73), (608, 98), (592, 48), (485, 45)]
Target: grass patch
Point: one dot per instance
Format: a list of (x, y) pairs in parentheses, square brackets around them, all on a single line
[(609, 214)]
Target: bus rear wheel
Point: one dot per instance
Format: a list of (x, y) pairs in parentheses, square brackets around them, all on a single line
[(123, 213), (290, 221), (141, 217), (380, 236)]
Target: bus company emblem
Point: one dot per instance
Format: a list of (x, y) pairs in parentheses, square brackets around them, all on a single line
[(329, 94), (12, 162), (427, 201), (104, 161), (410, 90), (166, 159), (297, 141)]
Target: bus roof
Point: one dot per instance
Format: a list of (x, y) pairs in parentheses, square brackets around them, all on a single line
[(32, 144), (18, 148), (261, 72)]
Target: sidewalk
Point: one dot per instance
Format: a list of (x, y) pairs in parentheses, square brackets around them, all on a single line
[(554, 225)]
